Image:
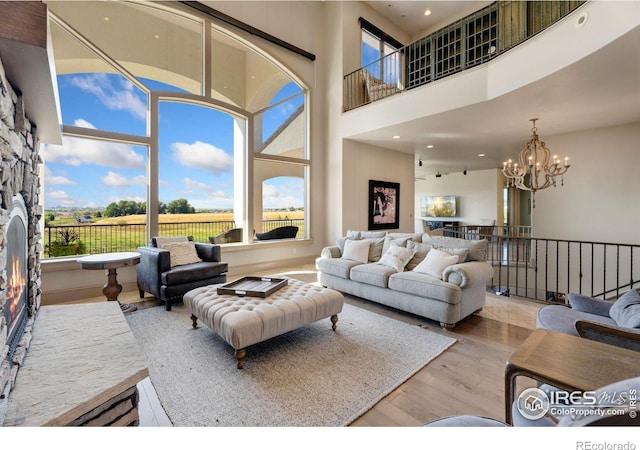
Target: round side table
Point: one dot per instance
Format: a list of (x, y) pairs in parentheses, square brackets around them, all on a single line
[(111, 262)]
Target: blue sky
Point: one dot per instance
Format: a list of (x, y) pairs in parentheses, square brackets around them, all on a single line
[(196, 149)]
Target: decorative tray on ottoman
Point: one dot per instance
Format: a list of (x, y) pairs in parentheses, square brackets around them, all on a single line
[(253, 286)]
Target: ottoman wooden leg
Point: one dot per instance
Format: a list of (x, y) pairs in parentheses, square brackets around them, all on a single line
[(240, 354), (334, 321), (194, 321)]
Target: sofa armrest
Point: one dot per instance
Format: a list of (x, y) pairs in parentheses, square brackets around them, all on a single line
[(332, 251), (469, 273), (153, 262), (628, 338), (209, 252)]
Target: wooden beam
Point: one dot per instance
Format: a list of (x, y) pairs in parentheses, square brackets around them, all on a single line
[(24, 22)]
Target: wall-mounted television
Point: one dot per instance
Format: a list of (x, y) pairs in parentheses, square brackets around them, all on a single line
[(438, 206)]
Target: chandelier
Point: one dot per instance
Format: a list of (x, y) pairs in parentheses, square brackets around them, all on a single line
[(536, 169)]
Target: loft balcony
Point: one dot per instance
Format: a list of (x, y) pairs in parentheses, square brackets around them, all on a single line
[(469, 42)]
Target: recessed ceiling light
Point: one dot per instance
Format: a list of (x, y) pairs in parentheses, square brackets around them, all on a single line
[(396, 137), (427, 12), (157, 36), (106, 19), (430, 146), (481, 155)]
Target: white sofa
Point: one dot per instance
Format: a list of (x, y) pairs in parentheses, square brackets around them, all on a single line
[(459, 292)]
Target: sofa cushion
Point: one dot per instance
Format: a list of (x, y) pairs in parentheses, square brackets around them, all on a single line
[(193, 272), (589, 305), (478, 249), (181, 252), (336, 266), (396, 257), (356, 250), (435, 262), (420, 250), (425, 286), (461, 253), (372, 234), (626, 310), (373, 273)]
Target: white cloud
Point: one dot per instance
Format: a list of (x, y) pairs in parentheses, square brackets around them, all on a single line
[(134, 198), (75, 151), (123, 97), (115, 179), (59, 198), (285, 195), (201, 155), (198, 188), (50, 178)]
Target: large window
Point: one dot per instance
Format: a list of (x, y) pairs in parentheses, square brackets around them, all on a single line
[(151, 147), (379, 53)]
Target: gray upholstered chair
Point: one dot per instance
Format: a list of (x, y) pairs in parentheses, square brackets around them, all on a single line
[(171, 267), (615, 404), (610, 322)]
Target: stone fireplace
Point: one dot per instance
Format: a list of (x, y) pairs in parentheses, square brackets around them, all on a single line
[(20, 238), (19, 233)]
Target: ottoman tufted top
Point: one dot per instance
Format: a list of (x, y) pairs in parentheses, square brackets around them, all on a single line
[(243, 321)]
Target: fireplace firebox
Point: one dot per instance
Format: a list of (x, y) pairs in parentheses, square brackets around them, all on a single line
[(15, 310)]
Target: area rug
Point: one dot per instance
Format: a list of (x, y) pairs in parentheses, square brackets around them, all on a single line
[(312, 376)]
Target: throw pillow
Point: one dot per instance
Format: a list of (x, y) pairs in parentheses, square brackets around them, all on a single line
[(478, 250), (375, 250), (353, 234), (161, 240), (461, 253), (182, 252), (388, 240), (589, 305), (435, 262), (626, 310), (396, 257), (420, 252), (356, 250)]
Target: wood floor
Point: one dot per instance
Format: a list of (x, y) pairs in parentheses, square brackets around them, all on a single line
[(466, 379)]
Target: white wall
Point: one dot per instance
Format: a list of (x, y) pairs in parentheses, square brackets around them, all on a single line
[(599, 199), (361, 163), (478, 194)]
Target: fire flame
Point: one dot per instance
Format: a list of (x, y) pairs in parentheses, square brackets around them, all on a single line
[(17, 283)]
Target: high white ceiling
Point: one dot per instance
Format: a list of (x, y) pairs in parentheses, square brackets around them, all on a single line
[(410, 17), (600, 90)]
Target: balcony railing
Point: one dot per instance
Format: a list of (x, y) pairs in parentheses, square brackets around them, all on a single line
[(472, 40), (548, 269), (89, 239)]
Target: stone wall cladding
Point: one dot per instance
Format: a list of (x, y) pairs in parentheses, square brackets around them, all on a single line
[(19, 174)]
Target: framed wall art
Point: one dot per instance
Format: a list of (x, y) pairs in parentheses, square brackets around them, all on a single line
[(384, 205)]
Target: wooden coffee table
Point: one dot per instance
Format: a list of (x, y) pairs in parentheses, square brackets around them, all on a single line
[(567, 362)]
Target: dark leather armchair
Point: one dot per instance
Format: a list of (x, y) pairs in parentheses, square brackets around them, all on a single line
[(286, 232), (156, 276)]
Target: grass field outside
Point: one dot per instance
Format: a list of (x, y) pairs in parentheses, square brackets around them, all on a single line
[(65, 237)]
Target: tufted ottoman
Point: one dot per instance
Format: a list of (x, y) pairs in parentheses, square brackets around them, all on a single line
[(244, 321)]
